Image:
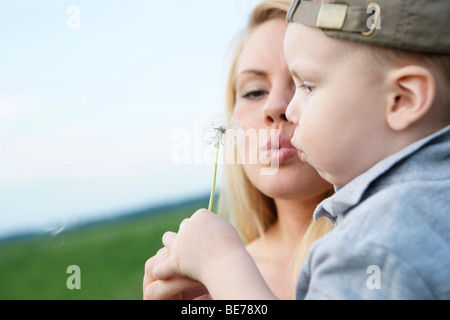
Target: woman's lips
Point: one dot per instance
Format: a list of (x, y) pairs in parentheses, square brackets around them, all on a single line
[(281, 155), (279, 150)]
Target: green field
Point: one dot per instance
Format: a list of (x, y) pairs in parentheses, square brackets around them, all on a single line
[(111, 257)]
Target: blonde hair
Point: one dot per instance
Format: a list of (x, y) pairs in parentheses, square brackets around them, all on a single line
[(252, 212)]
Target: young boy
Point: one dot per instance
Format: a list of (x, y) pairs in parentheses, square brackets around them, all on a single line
[(372, 111)]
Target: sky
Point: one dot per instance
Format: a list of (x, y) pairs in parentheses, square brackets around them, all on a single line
[(98, 97)]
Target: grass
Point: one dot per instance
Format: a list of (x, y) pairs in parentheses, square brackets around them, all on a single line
[(111, 257)]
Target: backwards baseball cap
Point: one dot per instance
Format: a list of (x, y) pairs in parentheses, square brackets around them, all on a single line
[(414, 25)]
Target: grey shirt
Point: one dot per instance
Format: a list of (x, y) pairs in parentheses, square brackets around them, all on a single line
[(392, 234)]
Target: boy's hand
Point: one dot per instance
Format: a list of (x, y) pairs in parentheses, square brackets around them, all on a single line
[(207, 248), (176, 288), (200, 244)]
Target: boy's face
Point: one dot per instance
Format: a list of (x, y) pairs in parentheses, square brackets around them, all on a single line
[(338, 106)]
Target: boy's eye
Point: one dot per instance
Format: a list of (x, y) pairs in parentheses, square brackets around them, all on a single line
[(255, 94), (306, 88)]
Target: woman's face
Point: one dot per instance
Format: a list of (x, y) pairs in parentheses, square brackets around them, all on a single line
[(264, 88)]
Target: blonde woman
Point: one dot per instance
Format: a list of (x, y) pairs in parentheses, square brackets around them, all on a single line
[(271, 210)]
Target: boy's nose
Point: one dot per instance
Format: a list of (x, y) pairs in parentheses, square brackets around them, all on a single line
[(292, 113)]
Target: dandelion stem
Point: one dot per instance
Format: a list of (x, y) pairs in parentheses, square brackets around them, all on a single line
[(211, 197)]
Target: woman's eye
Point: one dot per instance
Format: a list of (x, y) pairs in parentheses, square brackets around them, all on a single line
[(255, 94)]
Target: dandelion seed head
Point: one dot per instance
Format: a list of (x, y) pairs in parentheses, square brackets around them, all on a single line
[(220, 130), (219, 134), (216, 135)]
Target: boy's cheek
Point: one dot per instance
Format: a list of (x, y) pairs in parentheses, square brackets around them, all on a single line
[(309, 135)]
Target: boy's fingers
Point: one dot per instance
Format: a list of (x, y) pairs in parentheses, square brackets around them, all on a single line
[(148, 274), (168, 238), (161, 255), (183, 223), (164, 270), (170, 289)]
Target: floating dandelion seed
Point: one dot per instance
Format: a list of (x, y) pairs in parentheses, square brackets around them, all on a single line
[(219, 132), (55, 232)]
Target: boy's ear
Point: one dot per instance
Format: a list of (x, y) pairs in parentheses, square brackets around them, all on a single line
[(413, 89)]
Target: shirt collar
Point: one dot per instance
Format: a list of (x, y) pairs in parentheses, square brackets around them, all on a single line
[(351, 194)]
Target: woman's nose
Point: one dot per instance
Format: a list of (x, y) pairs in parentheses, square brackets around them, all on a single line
[(276, 105)]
